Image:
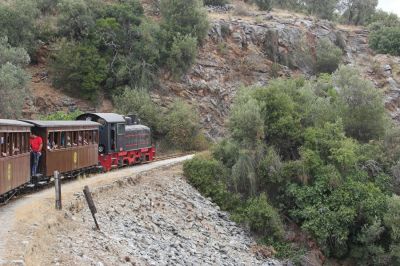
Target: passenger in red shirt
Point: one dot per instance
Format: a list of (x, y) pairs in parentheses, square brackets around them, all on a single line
[(36, 148)]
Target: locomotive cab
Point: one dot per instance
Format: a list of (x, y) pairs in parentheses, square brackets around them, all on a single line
[(112, 126)]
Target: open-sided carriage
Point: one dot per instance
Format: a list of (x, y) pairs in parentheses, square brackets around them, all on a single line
[(14, 155), (68, 146)]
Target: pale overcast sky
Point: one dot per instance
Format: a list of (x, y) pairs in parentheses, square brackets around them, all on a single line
[(390, 6)]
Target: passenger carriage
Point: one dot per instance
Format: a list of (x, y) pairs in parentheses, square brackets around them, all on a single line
[(68, 146), (14, 155)]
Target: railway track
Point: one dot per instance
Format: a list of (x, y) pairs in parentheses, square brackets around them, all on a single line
[(29, 189)]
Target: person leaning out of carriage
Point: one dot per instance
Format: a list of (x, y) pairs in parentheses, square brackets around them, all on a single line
[(36, 148)]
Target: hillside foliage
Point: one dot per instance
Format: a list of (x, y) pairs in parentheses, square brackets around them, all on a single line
[(13, 79), (320, 152)]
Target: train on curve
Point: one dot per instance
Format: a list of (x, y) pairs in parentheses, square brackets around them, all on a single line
[(92, 142)]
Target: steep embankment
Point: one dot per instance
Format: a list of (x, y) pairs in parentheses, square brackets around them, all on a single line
[(240, 50), (154, 218)]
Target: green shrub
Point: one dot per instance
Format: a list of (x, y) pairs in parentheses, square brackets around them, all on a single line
[(138, 101), (182, 125), (269, 171), (215, 2), (281, 121), (15, 56), (360, 105), (13, 80), (182, 55), (208, 177), (243, 177), (47, 7), (17, 22), (262, 217), (184, 17), (328, 56), (357, 12), (60, 115), (386, 40), (264, 4), (130, 43), (246, 123), (324, 9), (79, 69), (76, 19), (226, 152)]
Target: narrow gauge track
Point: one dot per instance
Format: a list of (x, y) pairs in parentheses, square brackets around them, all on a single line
[(26, 190)]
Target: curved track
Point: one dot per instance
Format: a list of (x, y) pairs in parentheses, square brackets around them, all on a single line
[(9, 213)]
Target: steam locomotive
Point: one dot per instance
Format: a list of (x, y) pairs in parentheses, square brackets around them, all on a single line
[(94, 141)]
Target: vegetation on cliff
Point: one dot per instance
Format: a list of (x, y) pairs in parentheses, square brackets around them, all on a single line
[(321, 153)]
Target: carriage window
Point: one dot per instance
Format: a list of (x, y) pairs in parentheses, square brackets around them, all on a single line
[(25, 142), (95, 137), (68, 139), (57, 140), (63, 140), (80, 138), (50, 141), (86, 137), (15, 150), (120, 129), (3, 145), (75, 138)]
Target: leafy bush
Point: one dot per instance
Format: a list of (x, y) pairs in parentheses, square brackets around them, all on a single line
[(328, 56), (47, 6), (357, 12), (246, 123), (182, 123), (270, 172), (324, 9), (262, 217), (226, 152), (17, 22), (129, 43), (15, 56), (79, 69), (138, 101), (184, 17), (182, 55), (60, 115), (76, 19), (264, 4), (207, 176), (386, 40), (281, 121), (13, 80), (215, 2), (360, 105), (331, 213), (243, 177)]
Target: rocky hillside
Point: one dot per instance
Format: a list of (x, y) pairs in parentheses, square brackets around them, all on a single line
[(241, 50), (154, 218)]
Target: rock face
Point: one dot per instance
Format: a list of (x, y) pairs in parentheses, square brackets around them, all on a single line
[(241, 51), (152, 220)]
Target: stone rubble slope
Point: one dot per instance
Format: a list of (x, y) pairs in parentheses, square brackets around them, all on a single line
[(155, 219)]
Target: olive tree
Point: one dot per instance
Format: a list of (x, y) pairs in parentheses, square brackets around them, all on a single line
[(13, 79), (360, 105), (13, 82)]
